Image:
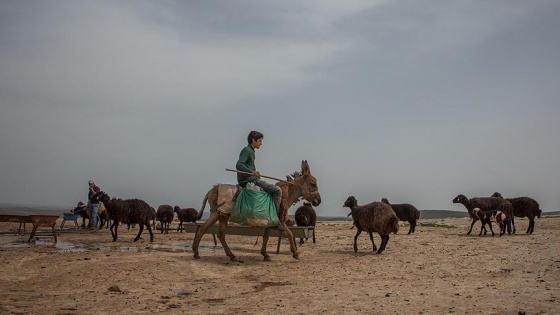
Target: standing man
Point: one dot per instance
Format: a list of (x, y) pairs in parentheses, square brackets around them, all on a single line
[(93, 205), (246, 163)]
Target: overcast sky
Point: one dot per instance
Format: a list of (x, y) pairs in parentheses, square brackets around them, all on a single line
[(415, 101)]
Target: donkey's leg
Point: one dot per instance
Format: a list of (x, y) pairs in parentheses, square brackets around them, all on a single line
[(207, 224), (293, 246), (266, 236), (222, 237)]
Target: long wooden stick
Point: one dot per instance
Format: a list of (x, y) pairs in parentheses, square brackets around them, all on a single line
[(242, 172)]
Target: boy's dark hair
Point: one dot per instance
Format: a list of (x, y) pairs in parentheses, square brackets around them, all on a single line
[(254, 135)]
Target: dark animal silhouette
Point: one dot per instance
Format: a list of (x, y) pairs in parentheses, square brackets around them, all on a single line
[(185, 215), (165, 215), (373, 217), (405, 212), (306, 216), (523, 207)]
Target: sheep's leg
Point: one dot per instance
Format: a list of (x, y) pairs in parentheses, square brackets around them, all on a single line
[(508, 225), (201, 231), (490, 226), (413, 226), (384, 241), (314, 234), (472, 224), (356, 240), (140, 230), (180, 227), (371, 238), (481, 228), (114, 227), (513, 223), (222, 227), (410, 229), (531, 226), (301, 241), (149, 227)]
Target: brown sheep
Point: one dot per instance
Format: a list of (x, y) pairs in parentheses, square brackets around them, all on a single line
[(523, 207), (164, 215), (373, 217), (185, 215), (306, 216), (405, 212), (486, 204)]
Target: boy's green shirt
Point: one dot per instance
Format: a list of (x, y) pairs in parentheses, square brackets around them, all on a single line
[(246, 163)]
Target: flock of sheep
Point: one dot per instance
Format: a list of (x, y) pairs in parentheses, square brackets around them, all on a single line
[(380, 217)]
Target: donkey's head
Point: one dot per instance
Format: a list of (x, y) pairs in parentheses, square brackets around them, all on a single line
[(307, 184)]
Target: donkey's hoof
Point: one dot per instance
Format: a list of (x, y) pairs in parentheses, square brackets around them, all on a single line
[(196, 256), (233, 259), (266, 258), (295, 255)]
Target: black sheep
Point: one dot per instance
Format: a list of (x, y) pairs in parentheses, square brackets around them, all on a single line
[(523, 207), (185, 215), (405, 212), (486, 204), (373, 217), (129, 211), (164, 215), (306, 216)]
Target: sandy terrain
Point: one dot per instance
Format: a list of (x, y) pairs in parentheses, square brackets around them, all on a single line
[(439, 270)]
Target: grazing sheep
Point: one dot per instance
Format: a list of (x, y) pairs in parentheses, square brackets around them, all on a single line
[(306, 216), (185, 215), (486, 204), (129, 211), (164, 215), (373, 217), (523, 207), (405, 212), (487, 217)]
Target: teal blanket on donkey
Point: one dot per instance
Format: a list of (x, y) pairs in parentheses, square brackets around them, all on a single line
[(255, 208)]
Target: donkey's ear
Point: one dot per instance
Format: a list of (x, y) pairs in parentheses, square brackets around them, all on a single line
[(305, 167)]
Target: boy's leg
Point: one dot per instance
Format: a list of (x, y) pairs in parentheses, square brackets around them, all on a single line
[(272, 189)]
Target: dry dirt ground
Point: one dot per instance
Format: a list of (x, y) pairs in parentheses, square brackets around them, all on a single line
[(438, 270)]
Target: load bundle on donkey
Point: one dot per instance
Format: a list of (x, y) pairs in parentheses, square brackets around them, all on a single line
[(221, 200)]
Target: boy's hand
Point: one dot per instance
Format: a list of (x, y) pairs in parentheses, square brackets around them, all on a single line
[(257, 174)]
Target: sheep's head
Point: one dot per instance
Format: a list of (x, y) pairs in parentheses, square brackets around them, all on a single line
[(497, 194), (351, 202), (100, 196), (460, 199), (176, 209), (384, 200)]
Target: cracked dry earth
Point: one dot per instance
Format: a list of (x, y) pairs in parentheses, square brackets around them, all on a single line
[(438, 270)]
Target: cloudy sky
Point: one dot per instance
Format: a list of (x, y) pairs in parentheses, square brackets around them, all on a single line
[(415, 101)]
